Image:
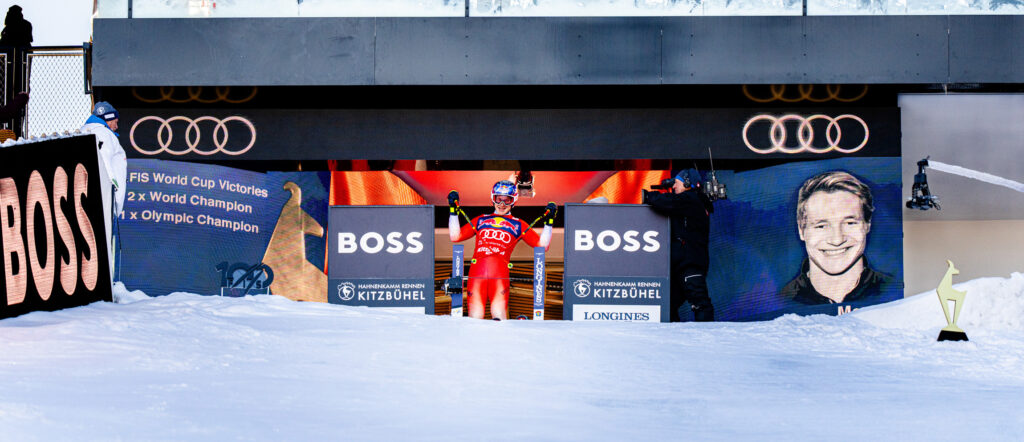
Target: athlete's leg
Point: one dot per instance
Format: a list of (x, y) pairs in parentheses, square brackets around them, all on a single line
[(494, 285), (499, 299), (476, 288)]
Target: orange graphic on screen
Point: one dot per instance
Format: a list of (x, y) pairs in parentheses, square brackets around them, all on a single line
[(625, 186), (371, 188)]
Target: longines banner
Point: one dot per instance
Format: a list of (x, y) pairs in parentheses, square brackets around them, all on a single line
[(215, 230), (51, 227), (616, 263), (467, 134), (382, 256)]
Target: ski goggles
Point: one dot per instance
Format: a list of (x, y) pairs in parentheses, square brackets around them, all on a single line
[(503, 200)]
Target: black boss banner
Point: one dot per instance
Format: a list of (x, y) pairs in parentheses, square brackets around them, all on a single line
[(54, 255), (381, 256), (616, 263)]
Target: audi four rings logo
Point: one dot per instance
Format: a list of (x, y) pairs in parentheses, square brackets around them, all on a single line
[(805, 134), (192, 136), (497, 235), (804, 92), (193, 93)]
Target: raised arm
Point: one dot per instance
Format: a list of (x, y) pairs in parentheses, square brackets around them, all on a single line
[(455, 232), (544, 239)]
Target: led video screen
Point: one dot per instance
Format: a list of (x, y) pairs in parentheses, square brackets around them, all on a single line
[(215, 230), (807, 238)]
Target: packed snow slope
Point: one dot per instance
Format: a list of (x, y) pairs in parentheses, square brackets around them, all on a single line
[(189, 367)]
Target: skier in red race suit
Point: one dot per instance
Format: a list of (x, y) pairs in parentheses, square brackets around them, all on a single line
[(496, 236)]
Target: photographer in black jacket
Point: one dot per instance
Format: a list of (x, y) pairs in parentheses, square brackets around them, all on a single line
[(689, 212)]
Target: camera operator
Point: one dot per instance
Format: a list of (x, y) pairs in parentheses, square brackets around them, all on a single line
[(689, 212)]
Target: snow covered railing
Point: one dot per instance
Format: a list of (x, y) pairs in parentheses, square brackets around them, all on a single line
[(540, 8)]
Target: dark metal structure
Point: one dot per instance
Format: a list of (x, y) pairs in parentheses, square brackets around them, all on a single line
[(558, 50)]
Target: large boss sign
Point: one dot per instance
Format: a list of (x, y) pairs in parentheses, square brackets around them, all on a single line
[(22, 251), (615, 240), (616, 263), (52, 252), (381, 242)]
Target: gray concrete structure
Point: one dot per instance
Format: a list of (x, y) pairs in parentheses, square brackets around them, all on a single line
[(558, 50)]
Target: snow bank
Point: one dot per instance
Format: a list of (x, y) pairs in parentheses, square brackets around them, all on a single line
[(190, 367), (122, 295), (991, 304)]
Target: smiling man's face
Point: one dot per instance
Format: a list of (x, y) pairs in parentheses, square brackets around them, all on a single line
[(834, 232)]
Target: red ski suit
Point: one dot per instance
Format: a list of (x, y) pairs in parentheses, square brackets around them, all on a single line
[(496, 237)]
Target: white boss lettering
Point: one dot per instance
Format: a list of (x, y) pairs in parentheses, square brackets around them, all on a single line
[(394, 245), (365, 240), (602, 240), (610, 240), (415, 245), (346, 242), (583, 240), (374, 242), (650, 237), (629, 238)]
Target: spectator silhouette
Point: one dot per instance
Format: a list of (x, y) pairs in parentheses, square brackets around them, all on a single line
[(17, 31), (15, 40)]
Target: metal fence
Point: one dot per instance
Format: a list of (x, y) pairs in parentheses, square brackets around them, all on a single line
[(10, 84), (59, 96)]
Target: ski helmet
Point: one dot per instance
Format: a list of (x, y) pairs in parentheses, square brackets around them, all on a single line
[(505, 188)]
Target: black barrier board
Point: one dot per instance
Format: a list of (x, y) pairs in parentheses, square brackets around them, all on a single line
[(381, 256), (485, 134), (54, 254), (616, 263)]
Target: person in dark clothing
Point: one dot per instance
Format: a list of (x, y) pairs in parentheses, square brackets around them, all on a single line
[(17, 31), (689, 212), (833, 219), (14, 108), (873, 287), (15, 40)]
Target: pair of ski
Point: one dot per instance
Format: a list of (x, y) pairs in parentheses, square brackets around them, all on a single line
[(454, 286)]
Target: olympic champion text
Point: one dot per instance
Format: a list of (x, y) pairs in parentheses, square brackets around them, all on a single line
[(203, 220)]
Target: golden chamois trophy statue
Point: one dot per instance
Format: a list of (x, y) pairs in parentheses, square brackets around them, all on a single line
[(946, 293)]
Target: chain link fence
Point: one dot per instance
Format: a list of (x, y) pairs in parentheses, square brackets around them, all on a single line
[(57, 90)]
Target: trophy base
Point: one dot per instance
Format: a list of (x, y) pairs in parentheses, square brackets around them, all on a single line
[(947, 335)]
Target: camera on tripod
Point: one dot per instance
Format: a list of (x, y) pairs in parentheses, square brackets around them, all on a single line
[(666, 184), (712, 189)]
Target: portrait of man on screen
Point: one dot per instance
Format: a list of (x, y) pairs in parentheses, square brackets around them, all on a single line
[(834, 212)]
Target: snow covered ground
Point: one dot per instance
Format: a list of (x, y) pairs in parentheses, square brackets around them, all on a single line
[(189, 367)]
